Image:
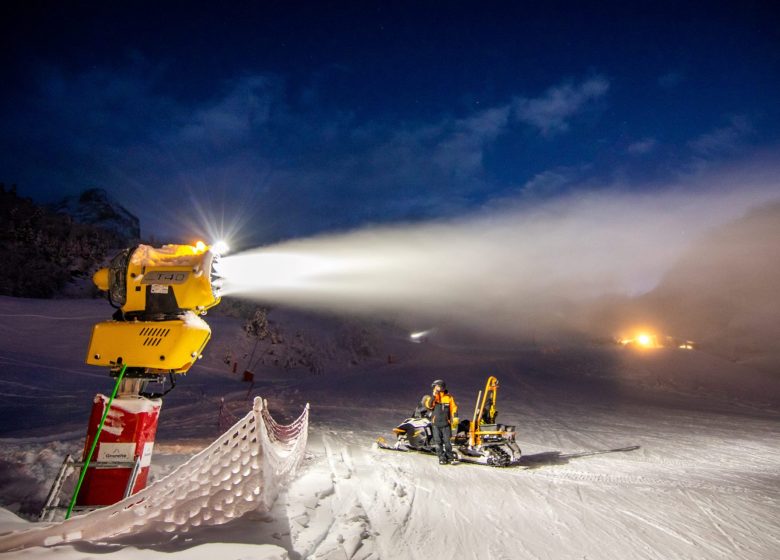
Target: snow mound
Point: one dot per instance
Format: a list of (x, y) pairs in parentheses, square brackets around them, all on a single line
[(241, 471)]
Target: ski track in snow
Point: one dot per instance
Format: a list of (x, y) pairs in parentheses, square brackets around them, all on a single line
[(628, 504)]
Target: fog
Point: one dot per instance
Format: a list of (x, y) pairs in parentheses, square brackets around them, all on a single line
[(583, 262)]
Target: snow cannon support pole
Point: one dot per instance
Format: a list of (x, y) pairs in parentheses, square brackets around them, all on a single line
[(95, 442)]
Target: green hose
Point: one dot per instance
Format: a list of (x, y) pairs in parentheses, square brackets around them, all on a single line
[(95, 442)]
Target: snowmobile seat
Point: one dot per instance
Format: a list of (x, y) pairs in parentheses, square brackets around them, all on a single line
[(420, 412)]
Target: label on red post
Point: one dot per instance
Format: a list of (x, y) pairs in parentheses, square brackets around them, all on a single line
[(116, 452)]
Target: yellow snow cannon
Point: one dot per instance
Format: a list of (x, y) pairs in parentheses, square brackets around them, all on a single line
[(159, 295)]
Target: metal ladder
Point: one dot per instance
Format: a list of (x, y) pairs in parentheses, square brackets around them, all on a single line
[(69, 466)]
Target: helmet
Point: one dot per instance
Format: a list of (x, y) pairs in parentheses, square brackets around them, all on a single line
[(440, 383)]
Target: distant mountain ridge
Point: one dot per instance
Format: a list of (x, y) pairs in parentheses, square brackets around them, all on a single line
[(96, 207), (47, 253)]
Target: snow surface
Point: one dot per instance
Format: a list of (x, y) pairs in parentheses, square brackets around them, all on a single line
[(667, 454)]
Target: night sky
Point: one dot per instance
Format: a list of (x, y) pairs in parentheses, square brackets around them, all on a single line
[(269, 120)]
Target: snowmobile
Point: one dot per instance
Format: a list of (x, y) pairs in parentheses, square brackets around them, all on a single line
[(480, 440)]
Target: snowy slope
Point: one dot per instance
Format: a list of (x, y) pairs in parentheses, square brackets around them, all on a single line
[(622, 459)]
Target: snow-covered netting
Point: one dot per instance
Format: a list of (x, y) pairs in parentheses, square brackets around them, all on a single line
[(241, 471)]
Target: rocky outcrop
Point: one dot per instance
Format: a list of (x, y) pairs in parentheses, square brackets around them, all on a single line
[(97, 208)]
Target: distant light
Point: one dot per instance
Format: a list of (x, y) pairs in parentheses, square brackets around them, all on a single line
[(200, 246), (419, 336), (641, 340), (220, 247)]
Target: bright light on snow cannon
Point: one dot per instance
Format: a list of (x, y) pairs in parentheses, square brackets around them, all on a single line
[(220, 247), (159, 294)]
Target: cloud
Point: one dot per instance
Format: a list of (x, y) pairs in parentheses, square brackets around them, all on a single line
[(245, 107), (723, 139), (401, 171), (247, 149), (99, 106), (546, 183), (552, 112), (170, 162), (670, 80), (464, 141), (247, 156), (642, 147)]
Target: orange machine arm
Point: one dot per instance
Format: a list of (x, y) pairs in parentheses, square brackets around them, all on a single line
[(484, 411)]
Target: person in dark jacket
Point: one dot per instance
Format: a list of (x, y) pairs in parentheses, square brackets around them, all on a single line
[(443, 416)]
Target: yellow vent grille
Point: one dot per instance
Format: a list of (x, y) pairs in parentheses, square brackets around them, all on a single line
[(153, 335)]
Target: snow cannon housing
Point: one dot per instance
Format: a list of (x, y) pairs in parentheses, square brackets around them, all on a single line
[(159, 294), (157, 283)]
